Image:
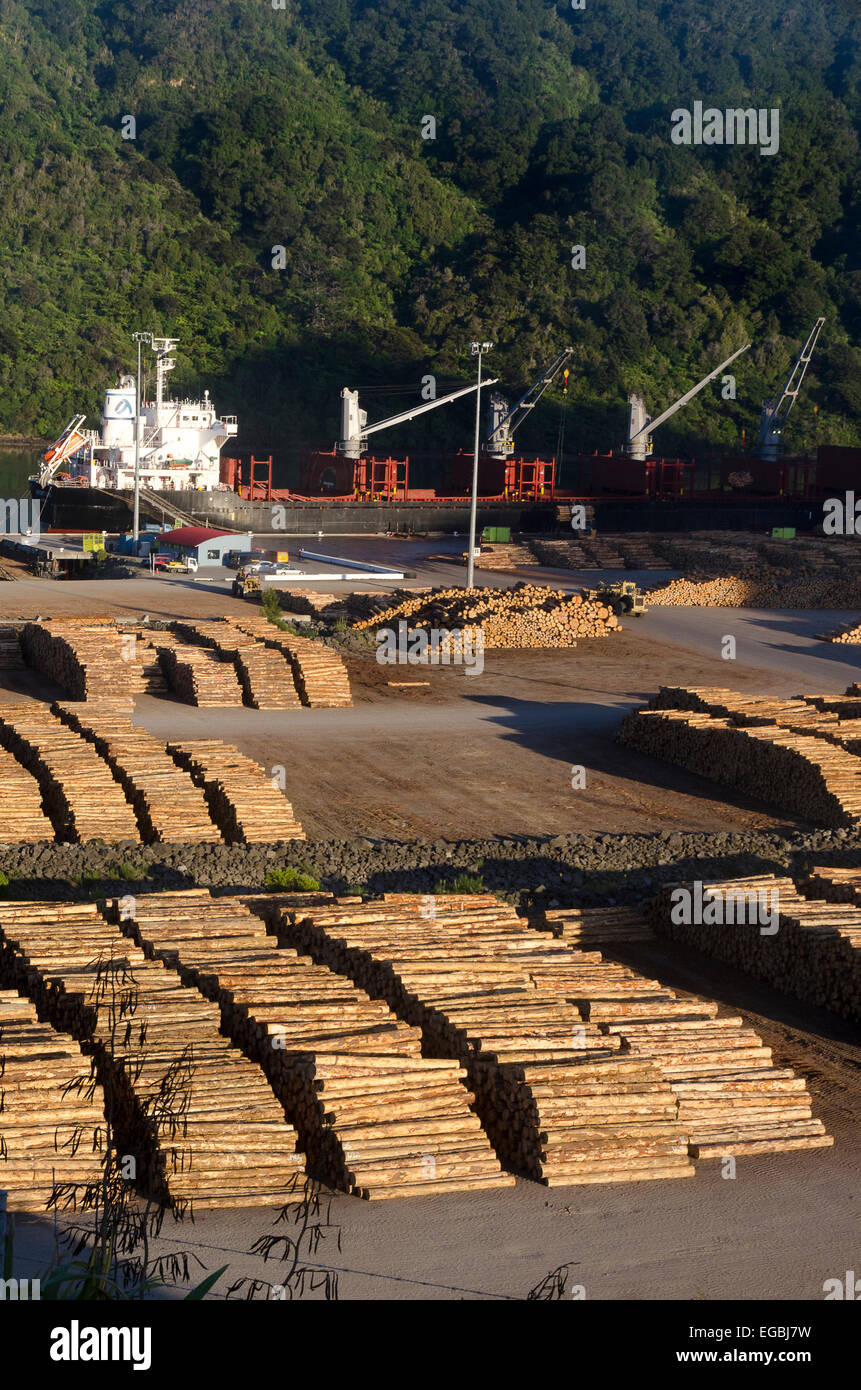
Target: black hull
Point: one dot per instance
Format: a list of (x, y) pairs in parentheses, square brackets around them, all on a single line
[(89, 509)]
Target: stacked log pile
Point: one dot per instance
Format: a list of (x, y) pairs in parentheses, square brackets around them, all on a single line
[(265, 675), (835, 885), (562, 554), (11, 658), (846, 706), (154, 681), (22, 818), (504, 557), (806, 776), (246, 804), (731, 1099), (90, 660), (591, 552), (757, 588), (374, 1116), (556, 1097), (319, 673), (698, 591), (709, 554), (168, 805), (199, 1117), (849, 634), (52, 1128), (749, 711), (526, 615), (308, 601), (79, 793), (592, 926), (198, 675), (815, 954), (832, 718), (641, 554), (606, 553)]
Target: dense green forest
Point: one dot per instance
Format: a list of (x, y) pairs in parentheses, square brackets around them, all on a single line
[(301, 127)]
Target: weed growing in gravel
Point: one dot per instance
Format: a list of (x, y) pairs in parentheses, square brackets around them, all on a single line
[(344, 638), (464, 883), (297, 879), (131, 872)]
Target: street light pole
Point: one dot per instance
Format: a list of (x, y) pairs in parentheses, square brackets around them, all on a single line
[(139, 338), (476, 349)]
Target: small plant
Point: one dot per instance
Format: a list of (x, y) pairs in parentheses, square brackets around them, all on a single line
[(292, 878), (355, 890), (271, 607), (340, 625), (4, 884), (464, 883), (131, 872)]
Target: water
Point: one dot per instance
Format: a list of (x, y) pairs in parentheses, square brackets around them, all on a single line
[(15, 468)]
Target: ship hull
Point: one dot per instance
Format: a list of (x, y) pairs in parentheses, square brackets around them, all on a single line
[(92, 509)]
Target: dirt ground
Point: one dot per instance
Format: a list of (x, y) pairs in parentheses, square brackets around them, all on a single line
[(468, 756)]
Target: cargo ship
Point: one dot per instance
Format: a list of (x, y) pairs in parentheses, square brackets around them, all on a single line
[(86, 481)]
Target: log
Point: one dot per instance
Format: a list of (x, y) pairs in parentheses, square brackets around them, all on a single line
[(200, 1118), (815, 953), (525, 616), (168, 806), (351, 1077)]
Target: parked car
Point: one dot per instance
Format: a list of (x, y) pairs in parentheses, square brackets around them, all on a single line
[(269, 569)]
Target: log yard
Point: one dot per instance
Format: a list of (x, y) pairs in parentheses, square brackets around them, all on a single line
[(492, 912)]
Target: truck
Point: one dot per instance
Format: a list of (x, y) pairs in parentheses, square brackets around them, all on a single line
[(164, 563)]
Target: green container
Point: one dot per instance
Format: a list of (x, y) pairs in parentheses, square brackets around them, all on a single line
[(783, 533), (499, 534)]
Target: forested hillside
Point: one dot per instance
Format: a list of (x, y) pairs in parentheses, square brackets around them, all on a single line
[(302, 127)]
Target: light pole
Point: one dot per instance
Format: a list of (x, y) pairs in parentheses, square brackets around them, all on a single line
[(476, 349), (139, 338)]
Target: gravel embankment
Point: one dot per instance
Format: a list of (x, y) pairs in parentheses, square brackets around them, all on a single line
[(563, 870)]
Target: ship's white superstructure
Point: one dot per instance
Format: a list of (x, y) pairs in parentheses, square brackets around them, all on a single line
[(180, 440)]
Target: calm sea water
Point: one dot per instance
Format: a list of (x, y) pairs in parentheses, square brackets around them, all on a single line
[(15, 469)]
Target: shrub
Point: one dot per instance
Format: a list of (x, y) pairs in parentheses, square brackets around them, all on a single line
[(271, 606)]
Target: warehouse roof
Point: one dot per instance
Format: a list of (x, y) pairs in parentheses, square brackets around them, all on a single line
[(192, 535)]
